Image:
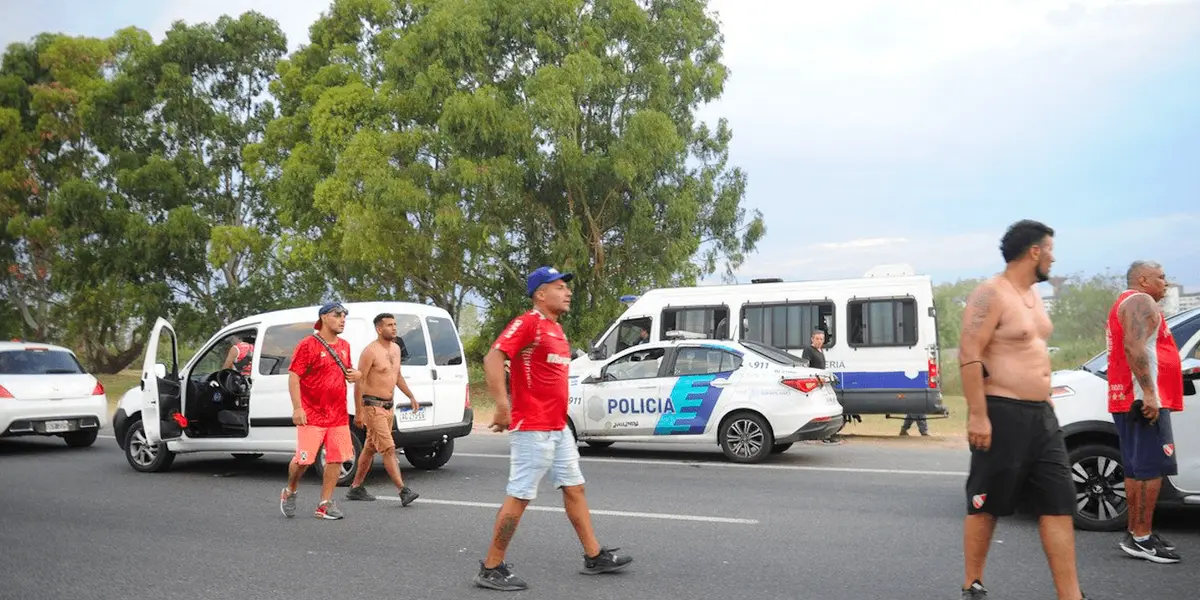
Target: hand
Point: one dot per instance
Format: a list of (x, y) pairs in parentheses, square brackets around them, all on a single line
[(353, 375), (500, 418), (1150, 407), (979, 432), (415, 405), (358, 419), (299, 418)]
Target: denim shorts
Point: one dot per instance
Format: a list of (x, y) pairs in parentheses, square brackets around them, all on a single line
[(533, 453)]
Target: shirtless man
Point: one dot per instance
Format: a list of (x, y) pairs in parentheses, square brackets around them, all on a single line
[(1017, 446), (380, 366)]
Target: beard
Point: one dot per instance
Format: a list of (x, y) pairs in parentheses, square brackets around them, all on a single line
[(1041, 275)]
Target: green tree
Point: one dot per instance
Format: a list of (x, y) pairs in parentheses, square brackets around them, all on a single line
[(1080, 310), (950, 300), (437, 148)]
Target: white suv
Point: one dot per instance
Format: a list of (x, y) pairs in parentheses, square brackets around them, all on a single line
[(1081, 403), (207, 406), (45, 391)]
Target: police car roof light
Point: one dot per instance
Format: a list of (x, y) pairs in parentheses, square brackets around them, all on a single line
[(628, 299), (676, 334)]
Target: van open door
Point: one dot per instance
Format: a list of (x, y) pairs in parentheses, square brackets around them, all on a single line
[(160, 380)]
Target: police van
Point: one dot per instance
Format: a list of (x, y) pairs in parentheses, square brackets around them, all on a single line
[(881, 339), (210, 404)]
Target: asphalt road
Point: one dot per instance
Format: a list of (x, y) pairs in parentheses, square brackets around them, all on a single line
[(854, 521)]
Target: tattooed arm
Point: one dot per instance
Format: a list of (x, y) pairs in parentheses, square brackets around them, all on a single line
[(1139, 319), (980, 319)]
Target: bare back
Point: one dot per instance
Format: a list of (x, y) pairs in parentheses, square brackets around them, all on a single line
[(1017, 356), (380, 379)]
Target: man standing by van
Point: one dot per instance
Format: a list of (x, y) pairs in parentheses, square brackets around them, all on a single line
[(1145, 385), (539, 439), (1016, 443), (380, 366), (317, 379)]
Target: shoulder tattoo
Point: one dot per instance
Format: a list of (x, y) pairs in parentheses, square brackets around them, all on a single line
[(979, 306)]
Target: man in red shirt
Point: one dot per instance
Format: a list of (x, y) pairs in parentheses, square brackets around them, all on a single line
[(539, 438), (317, 379), (1145, 385)]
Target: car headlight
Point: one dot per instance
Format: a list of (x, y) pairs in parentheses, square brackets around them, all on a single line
[(1061, 391)]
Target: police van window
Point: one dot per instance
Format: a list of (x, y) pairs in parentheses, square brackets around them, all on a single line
[(410, 336), (788, 325), (883, 322), (446, 349), (709, 321), (628, 333), (637, 365), (277, 345), (704, 361), (238, 346)]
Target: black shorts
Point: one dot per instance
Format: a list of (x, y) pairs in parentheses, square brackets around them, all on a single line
[(1147, 451), (1026, 464)]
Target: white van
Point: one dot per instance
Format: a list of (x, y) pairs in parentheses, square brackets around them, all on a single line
[(881, 338), (202, 406)]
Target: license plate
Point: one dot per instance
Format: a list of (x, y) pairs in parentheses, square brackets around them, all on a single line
[(411, 415), (57, 426)]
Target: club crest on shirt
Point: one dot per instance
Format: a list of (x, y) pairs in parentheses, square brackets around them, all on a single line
[(1168, 449)]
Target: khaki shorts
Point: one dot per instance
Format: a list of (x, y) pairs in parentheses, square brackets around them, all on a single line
[(378, 422)]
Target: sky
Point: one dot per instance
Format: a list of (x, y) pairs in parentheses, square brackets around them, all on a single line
[(881, 132)]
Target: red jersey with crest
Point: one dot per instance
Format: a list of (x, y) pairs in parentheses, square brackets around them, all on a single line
[(1166, 369), (323, 388), (539, 363)]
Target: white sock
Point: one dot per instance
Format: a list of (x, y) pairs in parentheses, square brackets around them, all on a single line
[(1141, 539)]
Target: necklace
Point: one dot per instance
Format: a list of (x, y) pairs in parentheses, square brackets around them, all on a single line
[(1028, 304)]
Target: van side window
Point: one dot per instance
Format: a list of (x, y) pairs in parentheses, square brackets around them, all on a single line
[(446, 348), (788, 325), (410, 336), (628, 333), (277, 344), (882, 322), (703, 361), (709, 321)]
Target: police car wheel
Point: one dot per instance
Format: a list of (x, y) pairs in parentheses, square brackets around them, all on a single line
[(746, 437)]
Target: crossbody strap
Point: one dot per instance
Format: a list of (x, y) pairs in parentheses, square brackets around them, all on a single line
[(336, 358)]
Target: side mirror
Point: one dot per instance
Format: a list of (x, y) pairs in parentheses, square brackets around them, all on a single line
[(597, 353), (577, 353), (160, 371)]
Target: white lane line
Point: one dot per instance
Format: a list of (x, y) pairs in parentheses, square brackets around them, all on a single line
[(611, 513), (704, 463)]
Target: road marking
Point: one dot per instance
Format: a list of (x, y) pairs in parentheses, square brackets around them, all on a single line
[(708, 463), (611, 513)]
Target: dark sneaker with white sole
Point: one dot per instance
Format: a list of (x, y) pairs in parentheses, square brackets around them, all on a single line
[(287, 503), (1168, 544), (975, 592), (1152, 550), (359, 493), (407, 496), (607, 561), (499, 578)]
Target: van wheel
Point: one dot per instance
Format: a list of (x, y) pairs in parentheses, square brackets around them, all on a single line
[(346, 474), (1098, 475), (144, 456), (781, 448), (430, 457), (81, 439), (746, 438)]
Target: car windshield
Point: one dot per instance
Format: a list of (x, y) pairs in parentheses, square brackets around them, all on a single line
[(775, 355), (1183, 326), (38, 362)]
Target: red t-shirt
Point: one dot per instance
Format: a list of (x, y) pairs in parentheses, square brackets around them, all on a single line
[(323, 388), (540, 359)]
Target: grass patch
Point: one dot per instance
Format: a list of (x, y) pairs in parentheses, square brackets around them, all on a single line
[(116, 384), (879, 425)]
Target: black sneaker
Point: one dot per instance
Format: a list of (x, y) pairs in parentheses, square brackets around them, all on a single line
[(407, 496), (1168, 544), (1151, 550), (359, 493), (975, 592), (500, 578), (607, 561)]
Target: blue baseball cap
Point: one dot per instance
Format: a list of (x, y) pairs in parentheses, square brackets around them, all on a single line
[(328, 308), (544, 275)]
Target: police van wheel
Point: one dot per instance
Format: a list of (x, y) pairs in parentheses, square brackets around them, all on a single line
[(599, 444), (746, 437)]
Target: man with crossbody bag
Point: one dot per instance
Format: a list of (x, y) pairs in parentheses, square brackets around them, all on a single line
[(317, 383)]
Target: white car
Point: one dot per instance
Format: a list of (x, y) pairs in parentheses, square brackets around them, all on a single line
[(205, 405), (751, 399), (1081, 404), (45, 391)]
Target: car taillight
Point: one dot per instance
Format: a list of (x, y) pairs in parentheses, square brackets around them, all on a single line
[(4, 393), (804, 384), (98, 390), (933, 373), (468, 402)]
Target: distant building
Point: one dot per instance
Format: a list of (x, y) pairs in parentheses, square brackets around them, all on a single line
[(1179, 300)]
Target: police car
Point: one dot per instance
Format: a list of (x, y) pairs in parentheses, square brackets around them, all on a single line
[(751, 399)]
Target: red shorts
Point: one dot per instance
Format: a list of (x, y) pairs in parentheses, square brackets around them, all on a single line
[(338, 446)]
